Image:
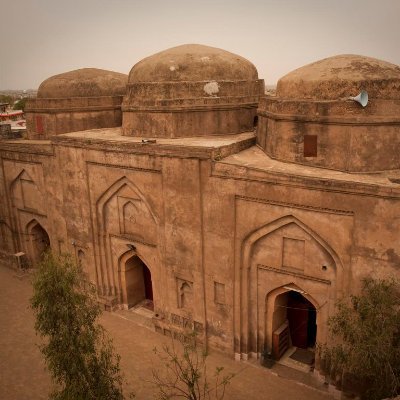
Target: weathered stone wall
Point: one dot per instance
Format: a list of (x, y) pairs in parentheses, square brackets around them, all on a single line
[(347, 136), (222, 239), (48, 117), (31, 197)]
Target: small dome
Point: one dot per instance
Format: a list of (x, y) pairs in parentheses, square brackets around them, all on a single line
[(342, 76), (193, 62), (85, 82)]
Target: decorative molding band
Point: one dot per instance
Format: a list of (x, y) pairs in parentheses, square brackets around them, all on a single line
[(156, 84), (292, 273), (22, 161), (295, 205), (27, 148), (32, 211), (154, 171), (305, 182), (330, 120), (132, 239), (72, 109), (189, 108)]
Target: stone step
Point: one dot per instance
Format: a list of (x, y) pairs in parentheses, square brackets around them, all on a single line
[(140, 316)]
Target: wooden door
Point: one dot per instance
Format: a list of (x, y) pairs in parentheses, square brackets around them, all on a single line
[(148, 285), (298, 314)]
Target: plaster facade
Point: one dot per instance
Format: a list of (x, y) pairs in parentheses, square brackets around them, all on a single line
[(223, 227)]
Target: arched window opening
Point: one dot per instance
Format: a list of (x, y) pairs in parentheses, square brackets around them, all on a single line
[(138, 284), (186, 296)]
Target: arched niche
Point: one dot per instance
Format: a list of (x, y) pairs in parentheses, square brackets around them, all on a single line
[(81, 258), (186, 295), (39, 241)]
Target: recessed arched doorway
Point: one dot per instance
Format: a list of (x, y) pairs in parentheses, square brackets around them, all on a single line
[(136, 282), (40, 241), (294, 323)]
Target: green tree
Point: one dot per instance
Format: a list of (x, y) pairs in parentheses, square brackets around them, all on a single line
[(77, 350), (367, 333), (4, 98), (185, 374), (20, 104)]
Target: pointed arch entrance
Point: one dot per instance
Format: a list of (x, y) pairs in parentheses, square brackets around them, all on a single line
[(39, 241), (135, 282), (283, 249), (293, 322)]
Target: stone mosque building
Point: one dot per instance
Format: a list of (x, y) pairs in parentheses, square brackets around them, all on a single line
[(183, 188)]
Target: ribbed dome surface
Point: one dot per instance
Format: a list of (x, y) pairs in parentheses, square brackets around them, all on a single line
[(342, 76), (193, 62), (85, 82)]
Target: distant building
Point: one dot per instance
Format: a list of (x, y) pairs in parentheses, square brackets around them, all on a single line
[(14, 118), (169, 195)]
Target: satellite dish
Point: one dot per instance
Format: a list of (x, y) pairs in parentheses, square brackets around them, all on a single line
[(361, 98)]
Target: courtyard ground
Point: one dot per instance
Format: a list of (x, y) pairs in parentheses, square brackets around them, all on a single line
[(23, 375)]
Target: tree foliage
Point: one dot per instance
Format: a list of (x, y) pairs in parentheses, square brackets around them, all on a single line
[(185, 374), (367, 333), (77, 350), (4, 98), (20, 104)]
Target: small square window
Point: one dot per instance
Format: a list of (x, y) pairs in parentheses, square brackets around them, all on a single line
[(39, 123), (219, 293), (310, 145)]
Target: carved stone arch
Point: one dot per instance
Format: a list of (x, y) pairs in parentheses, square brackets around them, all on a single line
[(270, 308), (129, 212), (107, 281), (29, 199), (19, 176), (115, 188), (253, 280), (292, 286), (264, 230)]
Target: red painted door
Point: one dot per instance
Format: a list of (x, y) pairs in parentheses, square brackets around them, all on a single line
[(148, 286), (297, 314)]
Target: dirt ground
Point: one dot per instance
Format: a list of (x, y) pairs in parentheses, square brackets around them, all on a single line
[(23, 374)]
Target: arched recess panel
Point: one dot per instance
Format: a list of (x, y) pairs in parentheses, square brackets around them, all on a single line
[(25, 193), (121, 212), (292, 248), (271, 255), (39, 241), (124, 211)]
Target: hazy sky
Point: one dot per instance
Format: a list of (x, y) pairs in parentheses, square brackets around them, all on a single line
[(41, 38)]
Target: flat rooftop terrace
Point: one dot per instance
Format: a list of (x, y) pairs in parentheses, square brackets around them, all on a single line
[(234, 156)]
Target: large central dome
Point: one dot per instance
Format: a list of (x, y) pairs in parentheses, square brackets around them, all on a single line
[(193, 62), (191, 90)]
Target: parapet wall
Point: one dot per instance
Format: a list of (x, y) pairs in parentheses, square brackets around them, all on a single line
[(337, 134), (185, 109), (48, 117)]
